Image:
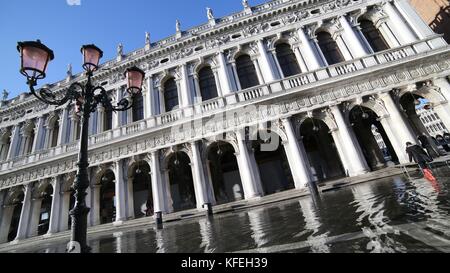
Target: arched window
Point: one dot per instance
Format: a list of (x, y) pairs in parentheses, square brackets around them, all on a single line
[(373, 36), (55, 134), (170, 94), (329, 48), (287, 60), (207, 83), (108, 117), (138, 108), (30, 142), (246, 72)]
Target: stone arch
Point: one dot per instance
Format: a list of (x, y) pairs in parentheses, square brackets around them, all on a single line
[(13, 194), (272, 160), (375, 14), (12, 208), (223, 170), (168, 153), (317, 131), (431, 93), (331, 27), (179, 178), (5, 135), (374, 104), (99, 172), (370, 132), (140, 192), (52, 120)]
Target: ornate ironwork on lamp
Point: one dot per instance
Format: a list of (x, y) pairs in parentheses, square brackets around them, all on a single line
[(35, 58)]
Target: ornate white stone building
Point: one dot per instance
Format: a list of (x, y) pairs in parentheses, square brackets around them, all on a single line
[(432, 122), (315, 75)]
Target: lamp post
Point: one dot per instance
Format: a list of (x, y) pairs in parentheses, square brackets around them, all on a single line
[(34, 60)]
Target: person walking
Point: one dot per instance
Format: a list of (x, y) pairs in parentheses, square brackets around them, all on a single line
[(418, 154), (423, 139), (447, 142)]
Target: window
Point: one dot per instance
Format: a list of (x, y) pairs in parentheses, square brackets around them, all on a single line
[(373, 36), (207, 82), (138, 108), (329, 48), (30, 142), (287, 60), (108, 116), (246, 72), (170, 94), (55, 133)]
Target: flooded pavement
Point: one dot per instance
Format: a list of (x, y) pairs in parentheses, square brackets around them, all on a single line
[(389, 215)]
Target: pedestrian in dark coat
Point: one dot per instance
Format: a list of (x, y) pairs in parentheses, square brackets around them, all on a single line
[(418, 154), (427, 146), (447, 142)]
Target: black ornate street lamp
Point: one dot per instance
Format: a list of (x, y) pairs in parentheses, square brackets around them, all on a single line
[(34, 60)]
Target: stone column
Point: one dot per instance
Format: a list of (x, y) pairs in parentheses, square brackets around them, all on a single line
[(74, 123), (37, 134), (35, 215), (200, 187), (396, 127), (251, 182), (25, 213), (117, 115), (224, 76), (300, 59), (130, 198), (119, 172), (23, 143), (344, 47), (357, 162), (296, 154), (95, 209), (388, 35), (442, 109), (184, 90), (157, 185), (64, 211), (400, 27), (62, 127), (421, 29), (149, 99), (56, 205), (265, 63), (5, 224), (15, 137), (217, 80), (309, 51), (258, 70), (236, 76), (198, 92), (351, 39), (101, 115)]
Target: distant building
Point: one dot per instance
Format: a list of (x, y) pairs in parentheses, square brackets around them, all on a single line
[(436, 13), (432, 122)]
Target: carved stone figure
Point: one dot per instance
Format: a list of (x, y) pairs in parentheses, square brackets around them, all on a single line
[(120, 50), (210, 14)]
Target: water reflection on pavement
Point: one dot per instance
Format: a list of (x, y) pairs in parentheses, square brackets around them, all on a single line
[(389, 215)]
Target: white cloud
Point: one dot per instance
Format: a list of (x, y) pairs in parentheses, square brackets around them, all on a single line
[(73, 2)]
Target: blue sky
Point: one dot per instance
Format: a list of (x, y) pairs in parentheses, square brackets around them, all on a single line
[(106, 23)]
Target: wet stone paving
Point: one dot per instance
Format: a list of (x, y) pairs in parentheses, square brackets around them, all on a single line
[(395, 214)]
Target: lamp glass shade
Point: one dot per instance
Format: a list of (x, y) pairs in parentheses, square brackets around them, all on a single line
[(91, 57), (34, 59), (135, 78)]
